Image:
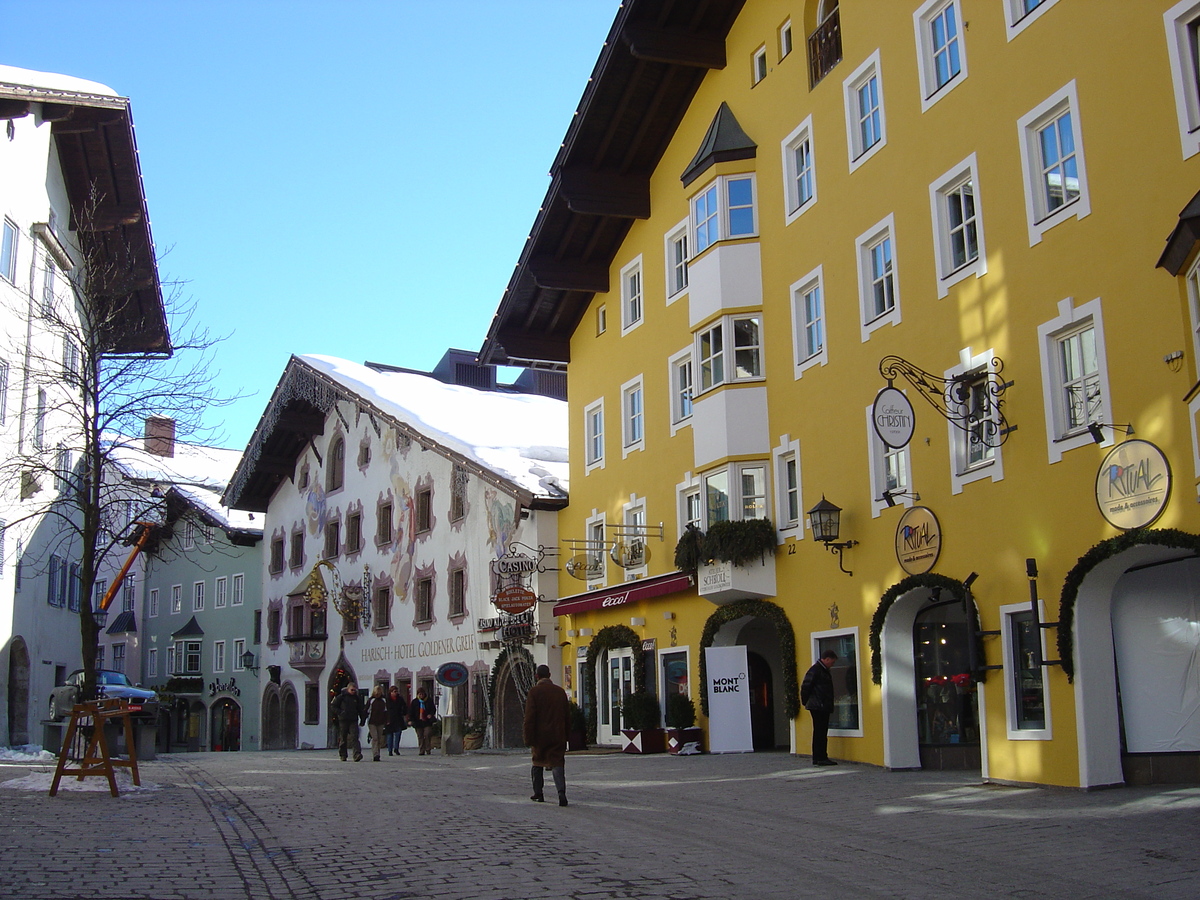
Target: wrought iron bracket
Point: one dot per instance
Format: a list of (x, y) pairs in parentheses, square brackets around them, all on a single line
[(983, 422)]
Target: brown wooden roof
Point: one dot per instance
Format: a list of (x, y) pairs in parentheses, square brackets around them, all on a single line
[(656, 56)]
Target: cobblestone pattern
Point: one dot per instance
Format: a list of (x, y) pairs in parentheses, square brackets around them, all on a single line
[(305, 826)]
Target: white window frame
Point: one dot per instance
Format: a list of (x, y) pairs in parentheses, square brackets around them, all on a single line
[(878, 455), (176, 598), (3, 391), (720, 216), (1007, 611), (218, 656), (170, 661), (758, 65), (198, 596), (633, 416), (1180, 21), (633, 519), (189, 535), (633, 296), (786, 42), (221, 593), (803, 356), (813, 638), (152, 604), (1017, 20), (1038, 214), (885, 229), (595, 530), (152, 663), (963, 470), (682, 395), (9, 245), (1192, 281), (793, 205), (785, 458), (735, 498), (676, 263), (601, 319), (727, 355), (923, 22), (868, 70), (689, 487), (941, 192), (1071, 319), (239, 647), (238, 590), (593, 435)]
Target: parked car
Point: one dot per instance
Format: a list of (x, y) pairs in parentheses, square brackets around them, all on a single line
[(109, 684)]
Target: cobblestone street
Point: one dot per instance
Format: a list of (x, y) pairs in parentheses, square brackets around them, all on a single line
[(305, 825)]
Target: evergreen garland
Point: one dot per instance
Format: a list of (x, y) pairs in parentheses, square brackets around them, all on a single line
[(498, 667), (689, 551), (899, 589), (1163, 537), (610, 637), (741, 541), (762, 609)]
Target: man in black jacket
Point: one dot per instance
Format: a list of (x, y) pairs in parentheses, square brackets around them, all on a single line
[(349, 711), (816, 693)]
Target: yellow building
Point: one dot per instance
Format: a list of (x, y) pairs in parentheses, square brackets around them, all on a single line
[(765, 213)]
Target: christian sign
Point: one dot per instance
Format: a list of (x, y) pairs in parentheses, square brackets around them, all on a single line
[(893, 417)]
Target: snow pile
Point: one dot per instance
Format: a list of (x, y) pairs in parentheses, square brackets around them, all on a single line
[(51, 81), (25, 753), (41, 781)]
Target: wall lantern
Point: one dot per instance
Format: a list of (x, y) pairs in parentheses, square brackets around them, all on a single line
[(1095, 430), (890, 495), (825, 519), (248, 662)]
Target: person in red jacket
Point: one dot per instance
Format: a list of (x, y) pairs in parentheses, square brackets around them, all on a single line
[(547, 719)]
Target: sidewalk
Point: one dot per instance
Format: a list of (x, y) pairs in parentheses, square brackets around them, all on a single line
[(303, 825)]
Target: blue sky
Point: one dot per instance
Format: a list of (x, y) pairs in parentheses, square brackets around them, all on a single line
[(349, 178)]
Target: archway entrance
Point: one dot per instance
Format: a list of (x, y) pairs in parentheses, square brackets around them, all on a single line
[(342, 675), (226, 728), (272, 719), (508, 707), (18, 694), (947, 710), (762, 693), (291, 719)]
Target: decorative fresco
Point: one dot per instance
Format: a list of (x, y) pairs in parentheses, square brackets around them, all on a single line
[(501, 520)]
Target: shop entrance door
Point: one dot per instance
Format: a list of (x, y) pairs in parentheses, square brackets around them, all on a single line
[(615, 680), (947, 705)]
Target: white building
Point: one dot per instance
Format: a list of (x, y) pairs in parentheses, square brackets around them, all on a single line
[(67, 156), (388, 496)]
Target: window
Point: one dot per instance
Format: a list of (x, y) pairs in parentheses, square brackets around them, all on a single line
[(693, 514), (239, 650), (74, 586), (128, 593), (383, 607), (170, 661), (878, 290), (458, 493), (191, 657), (1026, 703), (1183, 48), (941, 54), (8, 252), (198, 596), (1052, 158), (974, 452), (218, 656), (48, 296), (633, 416), (679, 373), (364, 454), (70, 360), (383, 523), (118, 657), (176, 598), (152, 663), (353, 532), (593, 418), (296, 556), (785, 39), (457, 589), (891, 469), (758, 69), (239, 590), (1020, 14), (631, 296), (677, 261), (724, 209), (1074, 379), (747, 351), (276, 555), (221, 600), (596, 543), (100, 657), (274, 625), (799, 172), (601, 319), (736, 492), (39, 422), (56, 592), (335, 473), (425, 510), (634, 537), (808, 322), (424, 605), (786, 459), (312, 704), (62, 469), (153, 603), (957, 225), (333, 539), (866, 124), (846, 719), (825, 44), (3, 391)]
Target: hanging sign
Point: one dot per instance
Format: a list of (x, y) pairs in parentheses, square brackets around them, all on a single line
[(452, 674), (893, 417), (1133, 484), (918, 540), (514, 598)]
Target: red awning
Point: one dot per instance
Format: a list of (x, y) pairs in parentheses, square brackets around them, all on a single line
[(628, 592)]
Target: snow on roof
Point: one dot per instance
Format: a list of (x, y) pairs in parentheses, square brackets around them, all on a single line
[(51, 81), (198, 473), (522, 437)]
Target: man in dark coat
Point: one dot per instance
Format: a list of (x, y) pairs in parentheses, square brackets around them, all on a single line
[(349, 712), (816, 693), (547, 719)]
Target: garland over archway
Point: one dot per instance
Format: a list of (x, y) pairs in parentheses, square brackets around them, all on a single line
[(899, 589), (610, 637), (1162, 537), (498, 667), (758, 609)]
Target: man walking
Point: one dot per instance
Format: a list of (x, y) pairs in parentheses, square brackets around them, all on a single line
[(349, 712), (547, 718), (816, 693)]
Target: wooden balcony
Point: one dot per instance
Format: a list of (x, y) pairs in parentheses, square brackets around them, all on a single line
[(824, 48)]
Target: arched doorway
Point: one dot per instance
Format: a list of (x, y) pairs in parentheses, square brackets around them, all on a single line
[(18, 693), (762, 695), (226, 725), (508, 705), (290, 725), (272, 719), (341, 675)]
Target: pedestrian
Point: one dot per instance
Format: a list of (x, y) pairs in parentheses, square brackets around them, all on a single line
[(349, 712), (397, 706), (816, 693), (421, 717), (377, 719), (547, 720)]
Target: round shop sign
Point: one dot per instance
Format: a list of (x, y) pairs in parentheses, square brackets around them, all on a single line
[(451, 674), (514, 599), (918, 540), (893, 417), (1133, 484)]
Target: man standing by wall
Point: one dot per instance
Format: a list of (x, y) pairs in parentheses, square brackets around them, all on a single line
[(547, 718), (349, 711), (816, 693)]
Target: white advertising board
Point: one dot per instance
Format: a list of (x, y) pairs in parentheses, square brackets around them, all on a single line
[(728, 700)]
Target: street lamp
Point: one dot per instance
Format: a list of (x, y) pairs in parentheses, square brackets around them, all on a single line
[(825, 518), (248, 662)]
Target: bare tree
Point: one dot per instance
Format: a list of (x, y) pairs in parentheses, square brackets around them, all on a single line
[(91, 378)]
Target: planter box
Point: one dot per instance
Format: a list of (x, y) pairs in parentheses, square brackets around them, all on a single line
[(652, 740), (685, 741), (723, 582)]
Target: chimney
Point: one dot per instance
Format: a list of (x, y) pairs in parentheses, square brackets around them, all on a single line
[(160, 436)]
